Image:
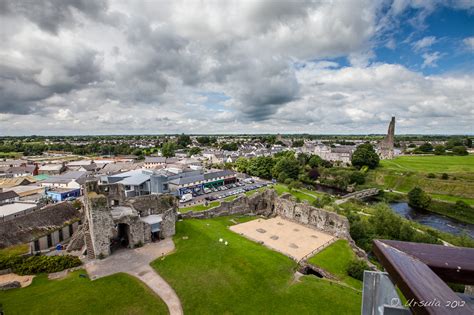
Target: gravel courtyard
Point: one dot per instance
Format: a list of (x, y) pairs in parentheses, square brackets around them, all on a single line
[(289, 238)]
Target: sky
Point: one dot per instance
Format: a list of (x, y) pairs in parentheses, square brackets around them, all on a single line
[(74, 67)]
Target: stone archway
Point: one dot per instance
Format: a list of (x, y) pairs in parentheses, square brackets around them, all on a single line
[(123, 234)]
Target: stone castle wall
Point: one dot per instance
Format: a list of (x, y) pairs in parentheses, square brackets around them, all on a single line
[(99, 202), (268, 203)]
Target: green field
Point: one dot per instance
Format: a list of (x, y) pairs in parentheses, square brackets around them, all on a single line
[(406, 172), (116, 294), (15, 250), (10, 155), (300, 193), (243, 277), (201, 207), (431, 164), (336, 258)]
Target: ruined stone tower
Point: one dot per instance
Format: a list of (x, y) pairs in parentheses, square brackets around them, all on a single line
[(385, 147), (113, 221)]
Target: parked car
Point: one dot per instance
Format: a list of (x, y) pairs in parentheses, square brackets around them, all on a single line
[(186, 198)]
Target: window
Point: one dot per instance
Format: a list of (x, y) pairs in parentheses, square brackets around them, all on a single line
[(71, 230), (165, 186), (50, 240), (37, 246), (61, 237)]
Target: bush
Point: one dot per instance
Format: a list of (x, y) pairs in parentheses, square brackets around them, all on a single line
[(356, 268), (445, 176), (418, 199), (431, 175), (38, 264)]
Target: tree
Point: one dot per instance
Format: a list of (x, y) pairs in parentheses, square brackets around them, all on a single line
[(315, 161), (242, 164), (184, 140), (167, 149), (203, 140), (194, 151), (297, 143), (439, 150), (357, 178), (365, 155), (232, 146), (418, 199), (459, 150), (286, 168), (261, 166)]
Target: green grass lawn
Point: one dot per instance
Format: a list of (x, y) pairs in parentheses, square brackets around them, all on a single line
[(300, 193), (116, 294), (15, 250), (201, 207), (431, 164), (406, 172), (10, 155), (243, 277), (335, 258)]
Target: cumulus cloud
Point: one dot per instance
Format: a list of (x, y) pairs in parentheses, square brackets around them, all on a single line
[(137, 67)]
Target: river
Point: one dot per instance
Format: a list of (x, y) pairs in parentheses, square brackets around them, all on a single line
[(433, 220)]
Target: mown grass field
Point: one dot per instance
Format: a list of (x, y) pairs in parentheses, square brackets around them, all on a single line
[(116, 294), (244, 277), (431, 164), (406, 172), (336, 258)]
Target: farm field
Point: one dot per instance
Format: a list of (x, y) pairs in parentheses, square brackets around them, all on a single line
[(244, 277), (116, 294)]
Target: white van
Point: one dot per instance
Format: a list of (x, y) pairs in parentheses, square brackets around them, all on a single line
[(186, 198)]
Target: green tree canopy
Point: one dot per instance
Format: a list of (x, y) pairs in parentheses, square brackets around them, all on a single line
[(168, 149), (365, 155), (418, 199)]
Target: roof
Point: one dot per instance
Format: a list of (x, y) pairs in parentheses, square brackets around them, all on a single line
[(152, 219), (21, 169), (26, 190), (135, 180), (80, 163), (12, 208), (8, 195), (33, 225), (187, 180), (216, 174), (51, 167), (155, 159), (66, 177), (16, 181), (41, 176)]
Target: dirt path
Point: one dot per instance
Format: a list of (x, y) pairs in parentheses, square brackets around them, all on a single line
[(136, 262)]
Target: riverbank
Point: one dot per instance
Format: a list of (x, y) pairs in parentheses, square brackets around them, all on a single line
[(445, 208)]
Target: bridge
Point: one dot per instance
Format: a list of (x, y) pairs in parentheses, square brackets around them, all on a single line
[(361, 194)]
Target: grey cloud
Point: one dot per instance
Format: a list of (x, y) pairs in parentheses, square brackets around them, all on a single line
[(52, 14)]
